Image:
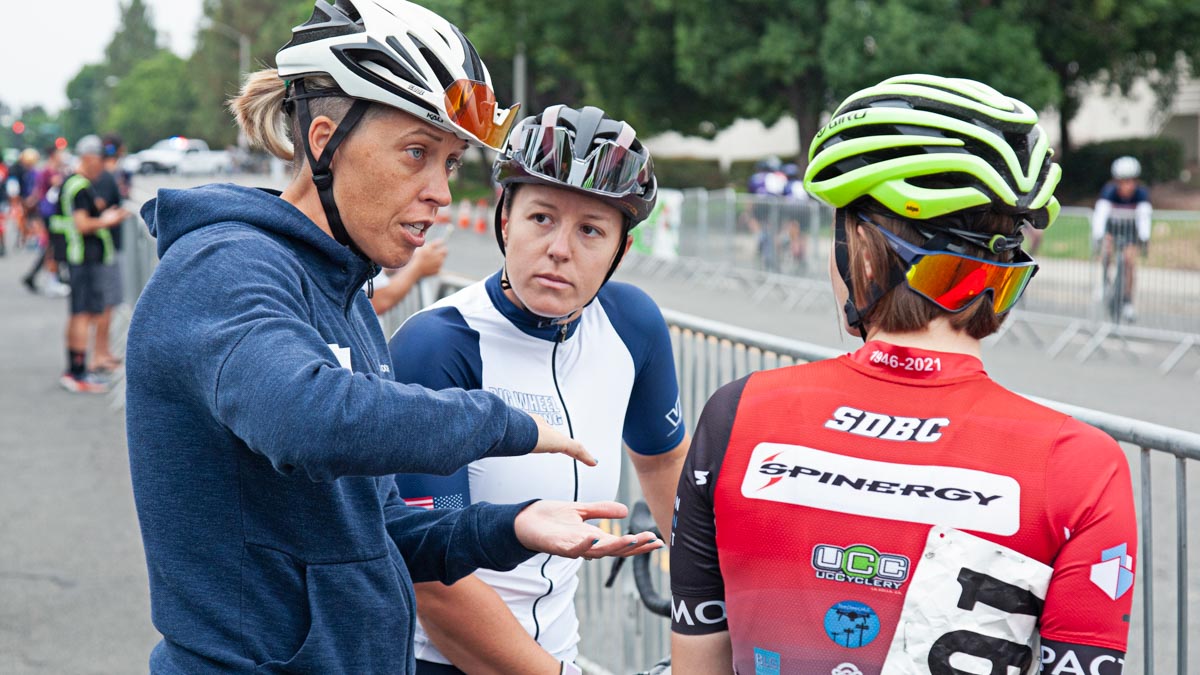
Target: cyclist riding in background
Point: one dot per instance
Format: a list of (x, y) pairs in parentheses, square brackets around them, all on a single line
[(894, 509), (548, 333), (1122, 217)]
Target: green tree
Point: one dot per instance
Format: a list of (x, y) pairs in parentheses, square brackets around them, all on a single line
[(88, 95), (760, 57), (154, 101), (1114, 43), (135, 40), (866, 42), (616, 54), (214, 65)]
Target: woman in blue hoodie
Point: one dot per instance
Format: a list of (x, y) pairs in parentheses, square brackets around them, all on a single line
[(261, 408)]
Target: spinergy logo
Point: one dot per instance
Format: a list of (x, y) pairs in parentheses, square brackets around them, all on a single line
[(1114, 573), (860, 564), (965, 499)]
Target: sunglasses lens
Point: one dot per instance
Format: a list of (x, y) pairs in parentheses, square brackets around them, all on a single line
[(609, 168), (472, 106), (616, 170), (954, 282)]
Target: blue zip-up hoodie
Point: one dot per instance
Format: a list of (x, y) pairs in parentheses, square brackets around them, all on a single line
[(274, 535)]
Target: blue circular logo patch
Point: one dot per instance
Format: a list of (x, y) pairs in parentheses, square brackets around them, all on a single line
[(851, 624)]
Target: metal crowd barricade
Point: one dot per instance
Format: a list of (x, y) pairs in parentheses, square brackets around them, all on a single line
[(620, 636), (776, 250)]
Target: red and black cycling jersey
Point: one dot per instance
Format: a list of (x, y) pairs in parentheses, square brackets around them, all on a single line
[(895, 510)]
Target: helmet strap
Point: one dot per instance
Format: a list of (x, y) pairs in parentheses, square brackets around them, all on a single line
[(856, 316), (322, 171), (626, 228)]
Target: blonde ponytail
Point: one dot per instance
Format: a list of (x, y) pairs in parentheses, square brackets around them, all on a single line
[(259, 112)]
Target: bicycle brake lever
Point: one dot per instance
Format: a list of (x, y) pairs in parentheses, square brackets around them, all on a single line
[(616, 569)]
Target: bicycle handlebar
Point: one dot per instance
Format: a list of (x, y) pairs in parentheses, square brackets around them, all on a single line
[(641, 521)]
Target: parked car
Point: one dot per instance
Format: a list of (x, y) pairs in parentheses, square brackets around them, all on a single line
[(179, 155)]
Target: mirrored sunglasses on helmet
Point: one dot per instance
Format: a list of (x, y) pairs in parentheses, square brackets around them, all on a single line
[(609, 167), (954, 281), (472, 106)]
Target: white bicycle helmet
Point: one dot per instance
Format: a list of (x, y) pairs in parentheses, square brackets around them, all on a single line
[(395, 53), (1125, 168), (402, 55)]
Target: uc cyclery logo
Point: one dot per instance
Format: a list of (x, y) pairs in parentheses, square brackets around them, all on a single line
[(1114, 573), (860, 564)]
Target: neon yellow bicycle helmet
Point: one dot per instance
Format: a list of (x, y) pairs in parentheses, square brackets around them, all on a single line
[(926, 147)]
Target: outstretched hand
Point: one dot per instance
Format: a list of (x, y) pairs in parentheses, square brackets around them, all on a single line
[(559, 528)]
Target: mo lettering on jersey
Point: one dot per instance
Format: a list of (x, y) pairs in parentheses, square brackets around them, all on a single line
[(710, 612), (937, 495), (540, 404)]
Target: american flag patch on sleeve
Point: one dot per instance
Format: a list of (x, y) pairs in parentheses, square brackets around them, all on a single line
[(454, 501)]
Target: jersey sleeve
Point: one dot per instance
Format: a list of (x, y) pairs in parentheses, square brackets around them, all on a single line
[(697, 587), (1091, 508), (438, 350), (653, 420)]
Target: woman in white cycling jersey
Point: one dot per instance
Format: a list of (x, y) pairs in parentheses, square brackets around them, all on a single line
[(894, 509), (548, 333)]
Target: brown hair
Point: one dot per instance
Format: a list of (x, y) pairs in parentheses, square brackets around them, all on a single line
[(261, 115), (902, 309)]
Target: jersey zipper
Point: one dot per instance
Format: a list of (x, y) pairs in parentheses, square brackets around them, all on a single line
[(562, 336)]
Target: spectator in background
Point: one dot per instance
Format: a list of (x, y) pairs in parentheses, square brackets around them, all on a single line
[(43, 201), (796, 218), (107, 188), (88, 249), (5, 211), (767, 184), (391, 286)]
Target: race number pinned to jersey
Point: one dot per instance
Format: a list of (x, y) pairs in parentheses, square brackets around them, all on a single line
[(342, 354), (972, 607)]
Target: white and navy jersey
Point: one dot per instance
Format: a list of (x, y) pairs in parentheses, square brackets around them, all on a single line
[(1122, 217), (604, 378)]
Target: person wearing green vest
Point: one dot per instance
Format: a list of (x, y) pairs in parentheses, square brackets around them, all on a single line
[(89, 247)]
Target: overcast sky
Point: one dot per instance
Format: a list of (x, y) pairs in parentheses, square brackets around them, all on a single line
[(44, 43)]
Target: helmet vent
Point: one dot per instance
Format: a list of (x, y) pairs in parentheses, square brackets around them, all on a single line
[(439, 71), (347, 7)]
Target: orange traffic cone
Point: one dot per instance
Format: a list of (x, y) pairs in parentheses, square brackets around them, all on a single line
[(464, 214), (481, 216)]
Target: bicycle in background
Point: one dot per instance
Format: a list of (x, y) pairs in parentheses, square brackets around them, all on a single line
[(1118, 251)]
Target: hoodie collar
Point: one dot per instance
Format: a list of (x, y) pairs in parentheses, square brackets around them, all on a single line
[(525, 321), (175, 213)]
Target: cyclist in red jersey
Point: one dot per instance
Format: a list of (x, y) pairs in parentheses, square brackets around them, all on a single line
[(894, 510)]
